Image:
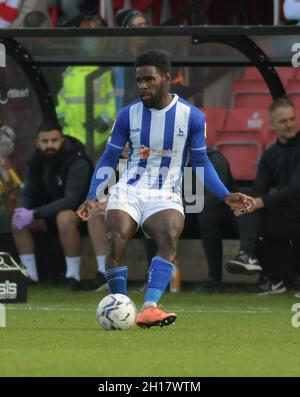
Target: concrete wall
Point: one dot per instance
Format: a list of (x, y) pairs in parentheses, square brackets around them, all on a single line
[(191, 261)]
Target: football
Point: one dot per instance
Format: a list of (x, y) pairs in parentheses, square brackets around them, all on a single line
[(116, 312)]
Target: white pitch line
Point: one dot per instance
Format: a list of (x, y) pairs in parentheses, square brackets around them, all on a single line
[(59, 308)]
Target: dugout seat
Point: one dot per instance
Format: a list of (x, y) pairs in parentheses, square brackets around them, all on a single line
[(293, 92), (285, 74), (242, 141), (250, 94), (215, 121)]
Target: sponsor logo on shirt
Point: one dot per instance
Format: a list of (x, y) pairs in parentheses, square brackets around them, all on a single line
[(133, 130), (144, 152)]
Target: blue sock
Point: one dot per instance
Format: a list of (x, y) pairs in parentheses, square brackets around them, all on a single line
[(116, 278), (160, 273)]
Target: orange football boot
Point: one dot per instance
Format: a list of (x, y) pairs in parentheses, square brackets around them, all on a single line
[(152, 316)]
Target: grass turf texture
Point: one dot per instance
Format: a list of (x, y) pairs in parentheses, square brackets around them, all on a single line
[(230, 334)]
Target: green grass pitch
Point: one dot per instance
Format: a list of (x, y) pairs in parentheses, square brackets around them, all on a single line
[(229, 334)]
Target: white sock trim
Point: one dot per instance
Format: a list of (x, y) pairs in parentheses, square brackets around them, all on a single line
[(149, 304), (101, 263), (29, 262), (73, 267)]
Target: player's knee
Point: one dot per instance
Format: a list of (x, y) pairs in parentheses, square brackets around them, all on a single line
[(66, 221), (167, 246), (116, 238)]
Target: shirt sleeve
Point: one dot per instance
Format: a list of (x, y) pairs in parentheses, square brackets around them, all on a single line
[(263, 180), (263, 184), (27, 192), (105, 168), (199, 156), (197, 130)]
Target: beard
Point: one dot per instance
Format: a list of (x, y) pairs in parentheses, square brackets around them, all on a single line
[(51, 156), (154, 100)]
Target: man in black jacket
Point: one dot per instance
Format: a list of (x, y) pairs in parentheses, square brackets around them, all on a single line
[(216, 217), (56, 182), (277, 189)]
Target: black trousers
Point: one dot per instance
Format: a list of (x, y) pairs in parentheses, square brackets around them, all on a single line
[(213, 222), (278, 244)]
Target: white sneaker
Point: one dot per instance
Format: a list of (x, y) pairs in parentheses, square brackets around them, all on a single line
[(270, 288), (243, 264)]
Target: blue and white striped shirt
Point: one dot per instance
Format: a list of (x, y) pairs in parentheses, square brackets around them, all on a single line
[(159, 142)]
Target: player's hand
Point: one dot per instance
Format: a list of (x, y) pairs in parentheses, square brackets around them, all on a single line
[(240, 202), (258, 204), (85, 209), (99, 209)]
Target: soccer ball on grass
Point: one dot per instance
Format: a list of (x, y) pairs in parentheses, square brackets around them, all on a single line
[(116, 312)]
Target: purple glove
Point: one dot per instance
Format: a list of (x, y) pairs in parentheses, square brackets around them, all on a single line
[(22, 217)]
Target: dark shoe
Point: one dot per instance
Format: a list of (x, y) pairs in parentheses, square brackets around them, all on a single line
[(71, 283), (269, 287), (243, 264), (210, 287), (100, 283)]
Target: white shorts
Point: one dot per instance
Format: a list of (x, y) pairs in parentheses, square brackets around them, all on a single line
[(140, 203)]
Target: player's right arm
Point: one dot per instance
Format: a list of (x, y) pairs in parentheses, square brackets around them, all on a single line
[(105, 167), (200, 159)]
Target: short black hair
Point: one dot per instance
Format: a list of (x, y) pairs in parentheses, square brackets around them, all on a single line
[(156, 58), (279, 103), (49, 125)]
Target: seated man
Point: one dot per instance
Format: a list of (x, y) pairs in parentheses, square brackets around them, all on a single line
[(277, 189), (214, 218), (56, 182)]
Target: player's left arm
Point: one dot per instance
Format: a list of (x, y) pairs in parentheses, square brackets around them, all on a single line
[(106, 166), (199, 157)]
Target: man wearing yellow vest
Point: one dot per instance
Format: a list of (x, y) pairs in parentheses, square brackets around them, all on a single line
[(86, 103)]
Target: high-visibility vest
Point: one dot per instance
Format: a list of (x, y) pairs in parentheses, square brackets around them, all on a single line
[(71, 107)]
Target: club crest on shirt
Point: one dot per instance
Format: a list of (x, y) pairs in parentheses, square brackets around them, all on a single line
[(180, 129)]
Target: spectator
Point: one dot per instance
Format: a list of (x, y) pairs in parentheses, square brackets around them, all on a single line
[(69, 9), (24, 13), (87, 113), (215, 217), (277, 189), (124, 78), (291, 10), (56, 182)]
